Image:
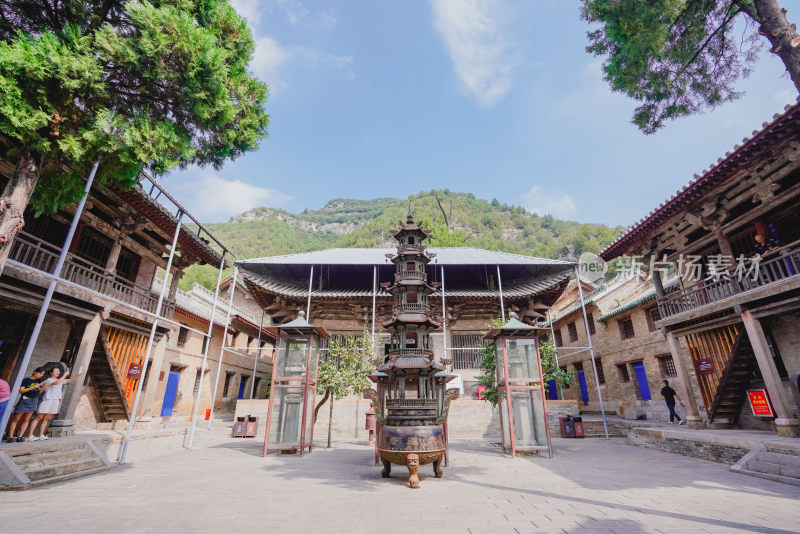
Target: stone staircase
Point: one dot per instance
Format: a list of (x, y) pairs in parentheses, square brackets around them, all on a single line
[(30, 465), (594, 429), (772, 462)]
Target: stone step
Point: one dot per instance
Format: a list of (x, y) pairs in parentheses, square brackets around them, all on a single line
[(32, 461), (774, 469), (61, 478), (67, 468), (778, 458), (19, 451)]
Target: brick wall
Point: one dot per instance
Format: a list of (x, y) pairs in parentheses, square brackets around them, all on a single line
[(611, 351)]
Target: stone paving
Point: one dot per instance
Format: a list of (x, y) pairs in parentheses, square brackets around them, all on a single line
[(589, 486)]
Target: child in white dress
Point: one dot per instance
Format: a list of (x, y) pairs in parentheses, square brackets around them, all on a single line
[(50, 401)]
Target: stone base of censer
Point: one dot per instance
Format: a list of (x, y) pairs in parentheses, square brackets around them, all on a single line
[(411, 446)]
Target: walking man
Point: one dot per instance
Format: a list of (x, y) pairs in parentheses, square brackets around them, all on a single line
[(669, 396)]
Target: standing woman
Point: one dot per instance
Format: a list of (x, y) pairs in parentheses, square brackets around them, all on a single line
[(50, 401), (28, 402)]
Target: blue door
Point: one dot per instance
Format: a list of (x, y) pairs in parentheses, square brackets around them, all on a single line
[(582, 381), (241, 388), (553, 390), (641, 378), (170, 394)]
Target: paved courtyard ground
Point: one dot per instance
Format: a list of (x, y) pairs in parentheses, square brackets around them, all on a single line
[(589, 486)]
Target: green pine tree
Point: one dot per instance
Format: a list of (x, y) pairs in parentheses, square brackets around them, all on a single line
[(136, 85)]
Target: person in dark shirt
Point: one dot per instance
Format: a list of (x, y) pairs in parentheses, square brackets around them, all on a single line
[(669, 396), (28, 403), (765, 244)]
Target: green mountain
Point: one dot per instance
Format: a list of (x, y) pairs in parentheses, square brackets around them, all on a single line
[(455, 219)]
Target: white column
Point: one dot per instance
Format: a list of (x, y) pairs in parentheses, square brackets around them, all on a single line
[(222, 345), (591, 349), (500, 288), (444, 316), (150, 340), (308, 305)]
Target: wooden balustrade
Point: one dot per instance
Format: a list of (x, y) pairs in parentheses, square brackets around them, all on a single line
[(771, 271), (43, 256)]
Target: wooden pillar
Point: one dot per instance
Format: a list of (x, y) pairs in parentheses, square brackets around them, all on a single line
[(658, 284), (64, 424), (113, 255), (693, 419), (173, 286), (722, 240), (787, 425)]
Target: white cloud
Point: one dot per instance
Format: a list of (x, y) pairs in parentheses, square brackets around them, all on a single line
[(544, 202), (268, 58), (473, 34), (250, 10), (211, 198)]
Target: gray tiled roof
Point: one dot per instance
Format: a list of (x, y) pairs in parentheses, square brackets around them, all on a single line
[(521, 290), (377, 256)]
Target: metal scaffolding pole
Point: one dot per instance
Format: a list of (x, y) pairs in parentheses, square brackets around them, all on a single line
[(500, 287), (374, 296), (149, 350), (48, 297), (206, 345), (591, 350), (555, 349), (258, 355), (310, 283), (444, 316), (222, 345)]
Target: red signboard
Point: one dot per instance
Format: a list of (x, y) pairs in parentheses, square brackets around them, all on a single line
[(759, 403), (705, 366), (135, 371)]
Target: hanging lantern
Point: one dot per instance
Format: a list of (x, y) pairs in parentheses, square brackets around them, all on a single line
[(523, 410)]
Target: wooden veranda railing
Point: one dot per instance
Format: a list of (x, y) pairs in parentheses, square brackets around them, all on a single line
[(718, 345), (771, 271), (34, 252)]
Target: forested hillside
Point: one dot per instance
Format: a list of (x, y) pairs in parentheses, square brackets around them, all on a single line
[(460, 220)]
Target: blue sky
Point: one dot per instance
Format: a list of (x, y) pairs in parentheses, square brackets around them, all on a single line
[(498, 98)]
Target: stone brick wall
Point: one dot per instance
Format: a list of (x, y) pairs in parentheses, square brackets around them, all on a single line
[(187, 359), (715, 451), (612, 351)]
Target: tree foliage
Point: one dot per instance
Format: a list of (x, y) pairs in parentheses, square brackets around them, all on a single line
[(138, 85), (346, 365), (488, 364), (678, 57)]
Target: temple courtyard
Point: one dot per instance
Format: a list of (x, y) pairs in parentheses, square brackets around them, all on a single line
[(589, 485)]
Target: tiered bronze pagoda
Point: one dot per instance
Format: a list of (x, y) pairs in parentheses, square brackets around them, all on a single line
[(411, 402)]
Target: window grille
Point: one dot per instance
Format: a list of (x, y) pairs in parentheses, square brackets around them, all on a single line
[(667, 366), (624, 376), (625, 328), (183, 335), (466, 350), (573, 332)]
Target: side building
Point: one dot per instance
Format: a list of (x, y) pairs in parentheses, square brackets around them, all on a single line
[(733, 235), (246, 368), (631, 355), (101, 315)]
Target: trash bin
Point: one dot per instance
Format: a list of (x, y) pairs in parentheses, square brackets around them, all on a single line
[(245, 427), (252, 426), (239, 427), (578, 422), (567, 426)]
